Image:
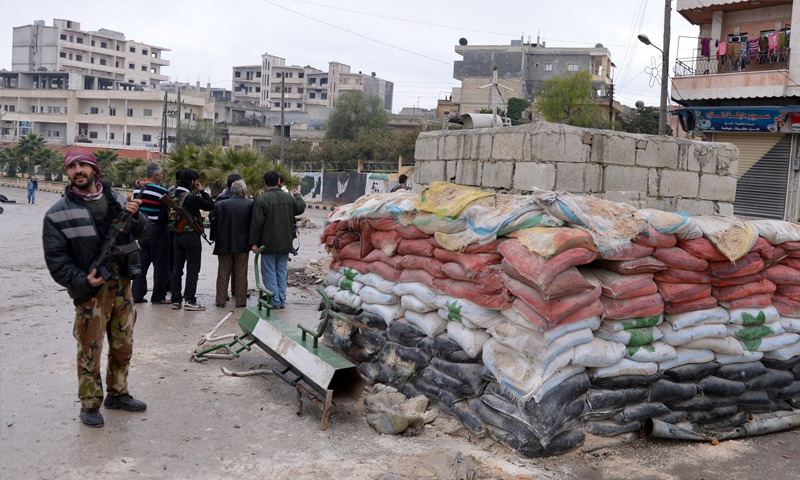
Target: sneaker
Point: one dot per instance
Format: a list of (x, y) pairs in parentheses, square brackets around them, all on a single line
[(193, 307), (124, 402), (91, 417), (176, 306)]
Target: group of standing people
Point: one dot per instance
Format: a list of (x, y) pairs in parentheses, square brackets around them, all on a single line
[(76, 227)]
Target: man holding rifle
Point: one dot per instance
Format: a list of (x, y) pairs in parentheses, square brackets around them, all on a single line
[(187, 224), (75, 232)]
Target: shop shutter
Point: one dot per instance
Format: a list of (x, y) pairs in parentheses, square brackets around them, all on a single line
[(763, 173)]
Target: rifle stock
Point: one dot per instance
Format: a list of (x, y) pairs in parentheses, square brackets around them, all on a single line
[(190, 219)]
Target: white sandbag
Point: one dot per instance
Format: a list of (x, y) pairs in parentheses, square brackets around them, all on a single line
[(532, 345), (698, 317), (636, 336), (347, 298), (638, 322), (654, 352), (598, 353), (745, 357), (430, 323), (777, 231), (685, 357), (414, 304), (449, 316), (418, 289), (348, 284), (333, 277), (470, 339), (472, 311), (330, 291), (688, 334), (377, 282), (790, 324), (550, 335), (785, 353), (556, 379), (512, 315), (746, 333), (718, 345), (774, 342), (754, 316), (373, 295), (625, 367), (388, 313)]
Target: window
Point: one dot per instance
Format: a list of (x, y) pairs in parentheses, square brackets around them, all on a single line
[(153, 70), (572, 67), (288, 89), (299, 105), (12, 108), (146, 137), (116, 64), (63, 54), (70, 56), (312, 95), (130, 112), (277, 88), (56, 133), (103, 45), (131, 66), (92, 134), (312, 81), (301, 75), (737, 38), (79, 58), (144, 52), (49, 133), (63, 37), (277, 105), (548, 67), (93, 43), (323, 81), (154, 55), (300, 90), (91, 60), (187, 116), (33, 108), (79, 40), (133, 49), (144, 68), (345, 81), (112, 112), (94, 110), (118, 48), (258, 89), (237, 74), (102, 61), (111, 136), (148, 112), (258, 74), (324, 96)]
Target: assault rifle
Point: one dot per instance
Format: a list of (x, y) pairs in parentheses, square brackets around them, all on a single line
[(191, 220), (122, 225)]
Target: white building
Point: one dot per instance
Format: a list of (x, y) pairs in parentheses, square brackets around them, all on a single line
[(105, 57)]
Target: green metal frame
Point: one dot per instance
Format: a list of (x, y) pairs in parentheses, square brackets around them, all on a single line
[(264, 295), (243, 343)]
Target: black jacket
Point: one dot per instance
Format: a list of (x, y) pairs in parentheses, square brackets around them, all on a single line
[(233, 225), (72, 241)]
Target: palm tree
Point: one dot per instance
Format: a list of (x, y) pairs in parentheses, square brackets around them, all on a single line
[(107, 159), (51, 161), (127, 170), (29, 148), (10, 159)]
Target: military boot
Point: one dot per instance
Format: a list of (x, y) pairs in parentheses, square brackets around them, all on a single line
[(124, 402), (92, 417)]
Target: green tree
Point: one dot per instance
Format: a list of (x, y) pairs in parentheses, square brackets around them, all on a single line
[(127, 170), (51, 162), (199, 134), (10, 160), (107, 159), (30, 147), (353, 113), (515, 108), (645, 120), (567, 99)]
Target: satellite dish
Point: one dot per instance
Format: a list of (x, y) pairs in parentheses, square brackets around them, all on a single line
[(598, 45), (462, 41), (41, 69), (373, 74), (639, 104)]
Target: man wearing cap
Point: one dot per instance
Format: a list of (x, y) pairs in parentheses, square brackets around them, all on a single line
[(75, 228)]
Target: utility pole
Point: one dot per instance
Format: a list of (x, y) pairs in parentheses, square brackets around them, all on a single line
[(163, 150), (662, 113), (283, 105), (178, 118), (611, 105)]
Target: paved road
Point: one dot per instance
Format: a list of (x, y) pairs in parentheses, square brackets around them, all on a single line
[(201, 424)]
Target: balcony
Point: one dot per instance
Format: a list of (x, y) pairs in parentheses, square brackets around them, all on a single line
[(746, 62)]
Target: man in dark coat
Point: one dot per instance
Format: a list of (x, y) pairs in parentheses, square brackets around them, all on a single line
[(232, 248)]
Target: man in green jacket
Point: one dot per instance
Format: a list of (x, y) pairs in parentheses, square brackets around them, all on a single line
[(271, 228)]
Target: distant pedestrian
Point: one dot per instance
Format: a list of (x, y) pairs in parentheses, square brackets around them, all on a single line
[(232, 248), (271, 228), (33, 185), (155, 248), (212, 216), (401, 183)]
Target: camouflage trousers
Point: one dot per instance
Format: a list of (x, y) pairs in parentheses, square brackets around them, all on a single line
[(109, 314)]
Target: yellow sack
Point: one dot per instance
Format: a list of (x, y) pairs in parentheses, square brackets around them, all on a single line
[(448, 199), (731, 236), (550, 241)]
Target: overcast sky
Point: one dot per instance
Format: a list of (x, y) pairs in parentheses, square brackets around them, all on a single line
[(408, 42)]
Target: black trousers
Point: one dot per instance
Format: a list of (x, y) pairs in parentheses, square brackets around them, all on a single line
[(187, 250), (154, 251)]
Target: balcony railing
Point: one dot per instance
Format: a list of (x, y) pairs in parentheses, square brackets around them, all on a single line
[(746, 62)]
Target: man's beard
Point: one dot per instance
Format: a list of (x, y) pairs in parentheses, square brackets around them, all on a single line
[(89, 181)]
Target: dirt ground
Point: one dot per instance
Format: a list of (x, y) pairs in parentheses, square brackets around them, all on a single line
[(203, 424)]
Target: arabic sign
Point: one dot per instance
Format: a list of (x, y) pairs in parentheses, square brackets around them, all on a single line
[(743, 119)]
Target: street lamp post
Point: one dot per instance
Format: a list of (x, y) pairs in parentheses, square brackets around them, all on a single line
[(662, 111)]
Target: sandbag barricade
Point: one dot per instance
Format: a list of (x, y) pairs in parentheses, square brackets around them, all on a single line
[(542, 319)]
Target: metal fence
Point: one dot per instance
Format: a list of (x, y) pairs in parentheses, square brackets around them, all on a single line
[(746, 62)]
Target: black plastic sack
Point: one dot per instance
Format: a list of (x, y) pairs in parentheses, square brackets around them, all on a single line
[(371, 320), (698, 402), (738, 418), (403, 359), (606, 428), (664, 390), (673, 417), (640, 412), (713, 385), (714, 415), (490, 416), (785, 393), (625, 381), (376, 338), (781, 364), (741, 371), (468, 373), (772, 379), (446, 382), (446, 349), (598, 399), (405, 334), (692, 372), (796, 371), (751, 399), (468, 418), (435, 394)]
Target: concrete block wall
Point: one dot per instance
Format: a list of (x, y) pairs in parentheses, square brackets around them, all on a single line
[(645, 171)]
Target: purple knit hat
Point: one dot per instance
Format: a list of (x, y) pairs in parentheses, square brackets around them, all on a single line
[(85, 156)]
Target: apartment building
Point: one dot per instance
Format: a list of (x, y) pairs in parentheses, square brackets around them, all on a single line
[(738, 81), (57, 106), (522, 67), (104, 57), (246, 84)]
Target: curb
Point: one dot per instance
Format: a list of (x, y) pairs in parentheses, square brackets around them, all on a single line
[(321, 207)]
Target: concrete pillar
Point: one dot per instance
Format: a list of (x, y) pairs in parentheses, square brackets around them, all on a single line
[(717, 19), (792, 88)]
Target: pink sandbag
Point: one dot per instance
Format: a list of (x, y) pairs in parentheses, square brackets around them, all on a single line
[(490, 274), (538, 321), (552, 310), (789, 291), (430, 265), (330, 228), (679, 258), (538, 270), (642, 292), (747, 265), (730, 281), (383, 224), (350, 224), (379, 256), (790, 246), (415, 247), (330, 241), (778, 255), (360, 267), (632, 267), (592, 310), (616, 285), (786, 306), (490, 247), (386, 271), (753, 301), (792, 262), (410, 232), (683, 292), (351, 251), (335, 265), (618, 309), (679, 275), (782, 274), (568, 282), (735, 292), (701, 247), (386, 241), (485, 296), (417, 275), (632, 251), (656, 239), (472, 262), (346, 237), (366, 238), (674, 308), (763, 247)]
